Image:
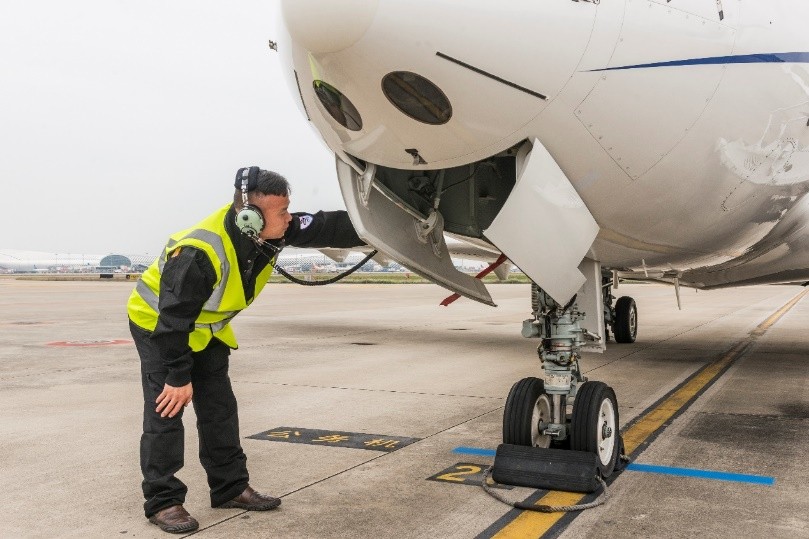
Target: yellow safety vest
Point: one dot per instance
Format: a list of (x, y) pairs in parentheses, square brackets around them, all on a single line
[(227, 298)]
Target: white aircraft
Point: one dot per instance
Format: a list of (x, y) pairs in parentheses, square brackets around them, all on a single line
[(584, 140)]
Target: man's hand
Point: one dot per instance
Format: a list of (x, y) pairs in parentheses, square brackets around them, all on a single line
[(173, 399)]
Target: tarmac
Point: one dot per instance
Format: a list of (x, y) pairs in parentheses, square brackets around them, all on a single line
[(381, 389)]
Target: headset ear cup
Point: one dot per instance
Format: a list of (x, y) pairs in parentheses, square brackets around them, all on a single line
[(250, 221)]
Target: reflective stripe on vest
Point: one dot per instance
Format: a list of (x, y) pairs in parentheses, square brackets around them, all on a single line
[(218, 326), (215, 241), (152, 301)]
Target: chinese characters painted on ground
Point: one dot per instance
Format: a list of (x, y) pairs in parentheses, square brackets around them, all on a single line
[(355, 440)]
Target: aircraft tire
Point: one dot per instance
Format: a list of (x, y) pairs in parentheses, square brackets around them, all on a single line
[(526, 406), (594, 425), (625, 327)]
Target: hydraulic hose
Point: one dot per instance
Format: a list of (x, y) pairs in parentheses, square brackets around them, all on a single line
[(330, 280)]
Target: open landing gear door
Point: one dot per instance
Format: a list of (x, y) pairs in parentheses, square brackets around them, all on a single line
[(544, 226), (414, 241), (590, 299)]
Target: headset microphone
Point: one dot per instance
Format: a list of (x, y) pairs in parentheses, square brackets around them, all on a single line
[(249, 220)]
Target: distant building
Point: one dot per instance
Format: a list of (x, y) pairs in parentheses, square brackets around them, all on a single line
[(14, 261), (115, 261)]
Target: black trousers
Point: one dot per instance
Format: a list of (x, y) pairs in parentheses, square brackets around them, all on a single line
[(162, 443)]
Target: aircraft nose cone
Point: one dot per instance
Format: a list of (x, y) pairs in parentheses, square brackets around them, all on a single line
[(327, 25)]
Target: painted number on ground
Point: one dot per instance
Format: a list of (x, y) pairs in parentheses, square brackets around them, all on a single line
[(466, 473)]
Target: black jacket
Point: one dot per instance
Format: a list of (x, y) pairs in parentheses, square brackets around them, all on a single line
[(188, 279)]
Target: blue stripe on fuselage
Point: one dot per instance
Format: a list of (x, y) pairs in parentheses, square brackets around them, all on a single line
[(774, 57)]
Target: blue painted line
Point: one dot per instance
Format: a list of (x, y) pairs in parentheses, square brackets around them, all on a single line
[(777, 57), (650, 468), (703, 474), (479, 451)]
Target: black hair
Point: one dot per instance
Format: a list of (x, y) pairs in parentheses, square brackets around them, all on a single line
[(268, 183)]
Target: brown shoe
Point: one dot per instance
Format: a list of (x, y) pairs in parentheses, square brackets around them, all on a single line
[(174, 519), (252, 501)]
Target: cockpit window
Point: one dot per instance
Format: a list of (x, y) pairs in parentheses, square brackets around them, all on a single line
[(338, 105), (417, 97)]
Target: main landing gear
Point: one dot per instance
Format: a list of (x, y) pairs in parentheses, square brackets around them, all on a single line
[(564, 410), (622, 318)]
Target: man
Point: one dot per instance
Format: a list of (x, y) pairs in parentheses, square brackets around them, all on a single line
[(179, 317)]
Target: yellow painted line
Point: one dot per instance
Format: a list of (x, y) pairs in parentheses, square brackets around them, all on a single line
[(534, 524), (655, 419), (774, 317)]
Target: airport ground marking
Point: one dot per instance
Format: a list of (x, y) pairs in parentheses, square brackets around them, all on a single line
[(640, 431), (353, 440), (479, 451), (654, 468), (703, 474), (467, 473), (637, 436)]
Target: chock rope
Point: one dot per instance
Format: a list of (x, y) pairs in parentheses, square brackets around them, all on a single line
[(545, 508)]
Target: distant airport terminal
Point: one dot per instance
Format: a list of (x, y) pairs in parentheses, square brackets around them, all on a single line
[(293, 260), (13, 261)]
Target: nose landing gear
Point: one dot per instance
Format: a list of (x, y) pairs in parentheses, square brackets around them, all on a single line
[(536, 412)]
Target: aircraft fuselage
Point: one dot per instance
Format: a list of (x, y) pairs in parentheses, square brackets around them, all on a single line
[(683, 128)]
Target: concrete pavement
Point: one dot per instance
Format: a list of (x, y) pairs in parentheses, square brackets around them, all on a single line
[(386, 360)]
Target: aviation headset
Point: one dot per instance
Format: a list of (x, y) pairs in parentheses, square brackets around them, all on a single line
[(249, 220)]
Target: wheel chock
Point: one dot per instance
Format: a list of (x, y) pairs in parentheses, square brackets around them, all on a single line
[(551, 469)]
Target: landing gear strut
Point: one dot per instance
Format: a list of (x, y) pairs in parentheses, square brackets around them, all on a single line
[(563, 409)]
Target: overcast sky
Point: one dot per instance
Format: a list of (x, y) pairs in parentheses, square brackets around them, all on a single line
[(124, 121)]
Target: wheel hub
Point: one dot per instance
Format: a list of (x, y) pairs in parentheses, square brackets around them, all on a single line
[(540, 419), (606, 441)]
